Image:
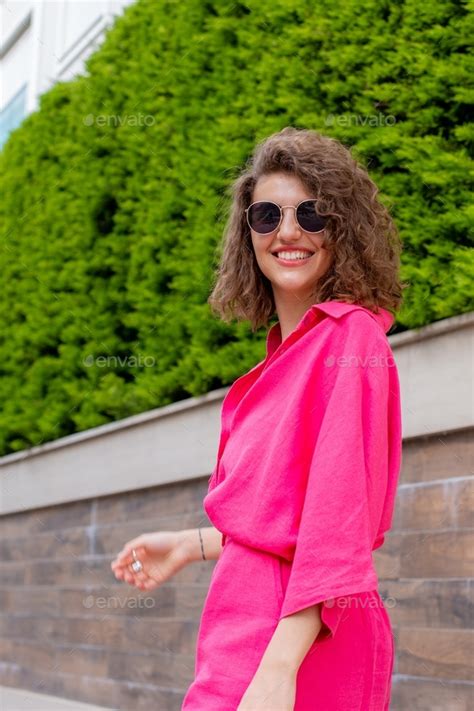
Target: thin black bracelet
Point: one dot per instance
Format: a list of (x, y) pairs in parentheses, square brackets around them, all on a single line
[(202, 547)]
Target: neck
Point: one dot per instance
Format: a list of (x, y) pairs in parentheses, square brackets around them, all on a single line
[(290, 309)]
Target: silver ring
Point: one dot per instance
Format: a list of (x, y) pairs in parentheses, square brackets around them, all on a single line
[(137, 564)]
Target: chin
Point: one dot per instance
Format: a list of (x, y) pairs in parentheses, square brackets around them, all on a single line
[(293, 286)]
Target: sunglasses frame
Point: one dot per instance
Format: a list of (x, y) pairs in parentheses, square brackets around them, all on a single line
[(281, 208)]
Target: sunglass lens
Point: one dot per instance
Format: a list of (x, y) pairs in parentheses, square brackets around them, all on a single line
[(264, 217), (309, 218)]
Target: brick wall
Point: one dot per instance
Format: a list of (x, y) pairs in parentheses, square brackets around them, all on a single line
[(69, 628), (426, 568)]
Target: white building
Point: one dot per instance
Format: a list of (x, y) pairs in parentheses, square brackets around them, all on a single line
[(43, 42)]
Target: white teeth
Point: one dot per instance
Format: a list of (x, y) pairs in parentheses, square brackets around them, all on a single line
[(293, 255)]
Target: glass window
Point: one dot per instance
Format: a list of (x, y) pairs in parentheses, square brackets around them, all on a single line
[(13, 114)]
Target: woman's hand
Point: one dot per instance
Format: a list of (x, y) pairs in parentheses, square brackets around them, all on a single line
[(270, 690), (161, 553)]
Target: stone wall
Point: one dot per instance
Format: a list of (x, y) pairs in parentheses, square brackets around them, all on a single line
[(425, 570), (71, 629)]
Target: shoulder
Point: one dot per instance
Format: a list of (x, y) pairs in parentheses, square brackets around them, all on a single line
[(352, 348), (354, 317), (355, 329)]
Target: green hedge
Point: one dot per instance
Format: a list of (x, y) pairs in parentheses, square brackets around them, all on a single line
[(114, 190)]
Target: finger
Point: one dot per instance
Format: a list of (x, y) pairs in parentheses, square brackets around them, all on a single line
[(140, 584), (140, 576), (119, 568), (127, 549), (126, 573), (154, 570), (123, 563), (146, 583), (136, 543), (144, 576), (140, 580), (129, 577), (125, 557)]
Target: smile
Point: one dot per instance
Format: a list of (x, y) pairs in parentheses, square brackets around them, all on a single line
[(292, 258)]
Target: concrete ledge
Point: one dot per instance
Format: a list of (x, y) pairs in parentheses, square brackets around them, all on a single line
[(438, 328), (435, 365), (172, 443)]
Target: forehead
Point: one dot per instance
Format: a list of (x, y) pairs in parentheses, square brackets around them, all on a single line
[(282, 188)]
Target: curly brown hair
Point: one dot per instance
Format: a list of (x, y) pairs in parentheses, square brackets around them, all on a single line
[(359, 230)]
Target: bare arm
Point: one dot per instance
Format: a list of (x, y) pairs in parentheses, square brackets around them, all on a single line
[(275, 678), (292, 638), (211, 540)]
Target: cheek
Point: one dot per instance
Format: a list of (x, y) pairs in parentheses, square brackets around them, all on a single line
[(260, 246), (326, 260)]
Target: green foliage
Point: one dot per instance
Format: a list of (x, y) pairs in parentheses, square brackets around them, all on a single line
[(114, 190)]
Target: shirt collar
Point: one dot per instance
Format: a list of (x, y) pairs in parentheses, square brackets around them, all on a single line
[(336, 309)]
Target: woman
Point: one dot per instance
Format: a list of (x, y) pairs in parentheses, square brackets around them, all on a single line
[(310, 447)]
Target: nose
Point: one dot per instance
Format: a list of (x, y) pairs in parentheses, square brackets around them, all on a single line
[(289, 228)]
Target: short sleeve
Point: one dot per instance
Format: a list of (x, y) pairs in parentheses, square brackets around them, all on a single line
[(344, 493)]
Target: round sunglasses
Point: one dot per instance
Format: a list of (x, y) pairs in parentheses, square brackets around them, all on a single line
[(265, 216)]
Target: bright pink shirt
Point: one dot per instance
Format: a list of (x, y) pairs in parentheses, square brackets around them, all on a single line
[(310, 451)]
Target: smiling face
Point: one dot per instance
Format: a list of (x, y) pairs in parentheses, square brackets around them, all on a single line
[(279, 254)]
